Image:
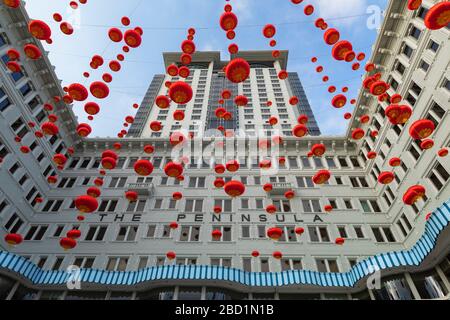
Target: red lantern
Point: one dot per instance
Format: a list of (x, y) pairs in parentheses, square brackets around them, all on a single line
[(131, 196), (318, 149), (289, 194), (421, 129), (269, 31), (268, 187), (340, 241), (300, 131), (39, 29), (32, 51), (386, 177), (217, 210), (188, 47), (86, 204), (427, 144), (255, 254), (283, 75), (443, 152), (378, 88), (277, 255), (340, 49), (99, 90), (219, 183), (339, 101), (177, 196), (92, 108), (331, 36), (143, 167), (275, 233), (13, 66), (413, 194), (396, 98), (171, 255), (234, 188), (271, 209), (299, 231), (358, 134), (178, 115), (220, 169), (52, 179), (149, 149), (13, 239), (303, 119), (173, 225), (98, 182), (228, 21), (60, 159), (216, 235), (184, 72), (438, 16), (232, 166), (238, 70), (156, 126), (67, 243), (293, 101), (93, 192), (220, 112), (74, 234), (241, 101), (132, 38), (172, 70), (180, 92), (13, 54), (273, 121), (173, 169), (115, 34), (371, 155), (84, 130), (321, 177), (162, 102)]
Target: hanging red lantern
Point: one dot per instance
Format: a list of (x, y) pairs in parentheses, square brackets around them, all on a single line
[(268, 187), (318, 149), (99, 90), (255, 254), (219, 168), (188, 46), (238, 70), (321, 177), (340, 49), (115, 34), (339, 101), (86, 204), (269, 31), (443, 152), (162, 102), (49, 128), (299, 231), (358, 134), (186, 59), (84, 130), (184, 72), (232, 166), (98, 182), (340, 241), (59, 159), (228, 21), (217, 210), (386, 177), (143, 167), (226, 94), (156, 126), (178, 115), (413, 194), (173, 169), (131, 196), (180, 92), (331, 36), (427, 144), (13, 54), (32, 51), (216, 235), (300, 131), (13, 239), (132, 38), (378, 88), (328, 208), (273, 121), (438, 16), (234, 188), (271, 209), (67, 243), (219, 183), (13, 66), (78, 92), (290, 194), (74, 234), (172, 70), (94, 192), (92, 108), (275, 233), (371, 155), (39, 29), (293, 101), (241, 101), (421, 129)]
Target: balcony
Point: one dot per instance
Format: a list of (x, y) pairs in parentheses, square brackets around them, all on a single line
[(280, 188), (143, 189)]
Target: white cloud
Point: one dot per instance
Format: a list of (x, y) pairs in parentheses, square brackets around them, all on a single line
[(242, 9)]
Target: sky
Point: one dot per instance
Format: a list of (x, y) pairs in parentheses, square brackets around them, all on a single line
[(165, 24)]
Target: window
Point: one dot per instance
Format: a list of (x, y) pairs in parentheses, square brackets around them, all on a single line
[(359, 232), (359, 182), (35, 233), (197, 182), (424, 65), (342, 230), (5, 103), (415, 33), (96, 233), (282, 205), (151, 231), (383, 234), (318, 234), (52, 206), (370, 206), (58, 262), (245, 231), (194, 205), (433, 46), (407, 51), (291, 264), (117, 182), (127, 233), (225, 204), (222, 262), (13, 224), (84, 262), (438, 176), (117, 264), (305, 182), (190, 233), (108, 206), (136, 206), (311, 206), (327, 265)]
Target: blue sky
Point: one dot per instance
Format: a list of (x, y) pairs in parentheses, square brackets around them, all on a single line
[(165, 24)]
